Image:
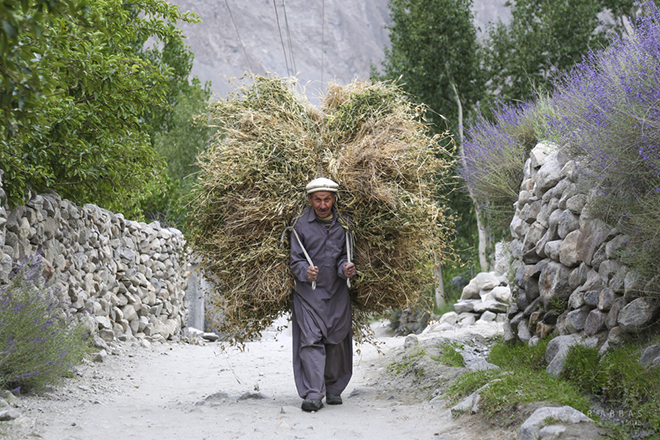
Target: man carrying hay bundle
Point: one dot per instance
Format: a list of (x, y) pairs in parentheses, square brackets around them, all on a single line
[(321, 318)]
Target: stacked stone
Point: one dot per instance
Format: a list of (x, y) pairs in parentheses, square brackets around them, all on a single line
[(566, 276), (124, 278), (5, 259), (485, 298)]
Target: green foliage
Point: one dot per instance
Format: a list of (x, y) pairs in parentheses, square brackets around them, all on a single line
[(80, 131), (434, 56), (543, 39), (434, 49), (582, 369), (407, 363), (22, 50), (629, 386), (557, 305), (40, 339), (451, 354), (521, 380), (179, 132), (511, 357)]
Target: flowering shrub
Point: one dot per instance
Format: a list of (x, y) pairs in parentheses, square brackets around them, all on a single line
[(40, 340), (606, 113), (494, 154)]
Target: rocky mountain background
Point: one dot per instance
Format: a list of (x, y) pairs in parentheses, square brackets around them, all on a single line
[(323, 40)]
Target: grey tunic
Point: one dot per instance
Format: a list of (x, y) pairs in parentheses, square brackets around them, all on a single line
[(321, 319)]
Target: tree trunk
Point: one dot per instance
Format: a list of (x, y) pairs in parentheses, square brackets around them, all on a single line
[(440, 298), (484, 236)]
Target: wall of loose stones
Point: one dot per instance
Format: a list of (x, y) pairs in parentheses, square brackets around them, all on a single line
[(124, 278), (567, 277)]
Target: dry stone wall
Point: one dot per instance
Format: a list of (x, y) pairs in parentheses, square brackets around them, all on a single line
[(567, 277), (125, 279)]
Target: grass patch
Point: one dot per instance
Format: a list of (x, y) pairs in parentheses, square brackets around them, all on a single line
[(624, 394), (514, 357), (469, 383), (521, 380), (407, 362), (582, 368), (451, 354), (628, 390), (508, 391)]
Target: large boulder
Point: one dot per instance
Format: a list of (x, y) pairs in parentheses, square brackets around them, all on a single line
[(557, 350), (553, 283), (568, 255), (568, 223), (594, 233), (549, 174), (484, 281), (541, 152), (595, 322), (650, 356), (533, 236), (576, 319), (532, 428), (638, 315)]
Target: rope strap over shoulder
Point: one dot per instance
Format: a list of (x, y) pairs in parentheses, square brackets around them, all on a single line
[(349, 249), (309, 260)]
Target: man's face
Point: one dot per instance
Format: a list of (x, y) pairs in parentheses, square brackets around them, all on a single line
[(322, 202)]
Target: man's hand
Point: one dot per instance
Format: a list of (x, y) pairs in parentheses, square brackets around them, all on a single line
[(348, 269), (312, 273)]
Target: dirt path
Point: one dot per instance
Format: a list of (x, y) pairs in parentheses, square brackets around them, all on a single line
[(182, 391)]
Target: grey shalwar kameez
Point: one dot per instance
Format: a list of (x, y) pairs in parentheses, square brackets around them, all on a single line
[(321, 330)]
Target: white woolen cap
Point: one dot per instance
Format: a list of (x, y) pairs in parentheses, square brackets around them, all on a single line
[(321, 184)]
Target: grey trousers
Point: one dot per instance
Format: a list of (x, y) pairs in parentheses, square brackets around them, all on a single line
[(319, 367)]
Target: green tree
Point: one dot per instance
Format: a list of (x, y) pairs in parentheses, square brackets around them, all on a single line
[(544, 39), (435, 55), (78, 128), (177, 133)]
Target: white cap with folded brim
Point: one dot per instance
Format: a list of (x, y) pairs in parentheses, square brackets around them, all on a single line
[(321, 184)]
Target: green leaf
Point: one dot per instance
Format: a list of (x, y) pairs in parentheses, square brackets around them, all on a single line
[(9, 29)]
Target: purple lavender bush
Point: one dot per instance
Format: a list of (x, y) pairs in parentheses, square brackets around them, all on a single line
[(494, 152), (607, 111), (40, 338)]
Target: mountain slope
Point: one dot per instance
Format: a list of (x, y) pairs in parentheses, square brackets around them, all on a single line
[(325, 40)]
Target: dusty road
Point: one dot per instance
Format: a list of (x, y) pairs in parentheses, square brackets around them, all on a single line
[(183, 391)]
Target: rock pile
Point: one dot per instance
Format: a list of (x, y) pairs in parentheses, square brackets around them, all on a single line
[(485, 297), (126, 279), (567, 277)]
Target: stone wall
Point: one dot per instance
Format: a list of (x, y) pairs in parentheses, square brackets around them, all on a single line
[(126, 279), (567, 277)]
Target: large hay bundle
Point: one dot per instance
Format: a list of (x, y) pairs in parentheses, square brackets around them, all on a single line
[(270, 143)]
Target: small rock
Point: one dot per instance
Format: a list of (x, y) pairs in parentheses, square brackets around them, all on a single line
[(649, 355), (9, 414), (464, 405), (252, 395), (209, 336), (100, 356), (410, 341), (531, 427)]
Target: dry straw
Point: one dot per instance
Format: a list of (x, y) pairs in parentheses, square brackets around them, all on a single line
[(270, 142)]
